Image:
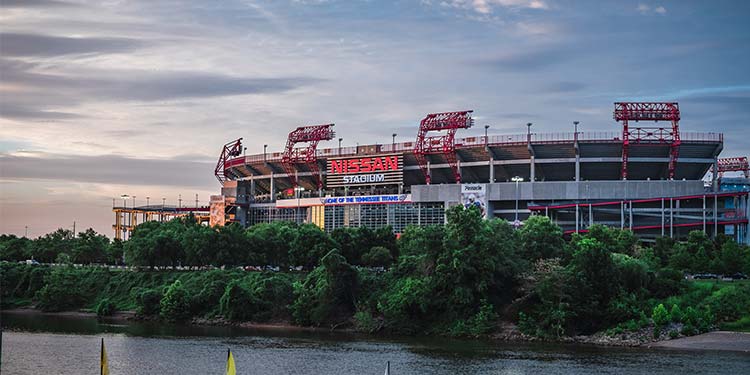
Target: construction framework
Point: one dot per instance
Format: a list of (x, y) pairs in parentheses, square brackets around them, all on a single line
[(738, 164), (230, 150), (444, 144), (311, 135), (648, 136), (127, 218)]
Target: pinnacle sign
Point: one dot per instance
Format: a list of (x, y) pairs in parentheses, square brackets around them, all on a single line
[(368, 170)]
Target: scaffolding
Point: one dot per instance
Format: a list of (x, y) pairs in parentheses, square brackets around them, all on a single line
[(649, 136), (127, 218), (444, 144)]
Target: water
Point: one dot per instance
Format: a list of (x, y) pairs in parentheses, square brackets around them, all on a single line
[(40, 344)]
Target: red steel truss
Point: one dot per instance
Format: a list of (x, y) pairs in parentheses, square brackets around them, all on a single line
[(739, 164), (641, 111), (444, 144), (231, 149), (305, 155)]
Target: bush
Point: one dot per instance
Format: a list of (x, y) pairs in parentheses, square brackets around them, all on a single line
[(660, 316), (675, 315), (238, 303), (105, 307), (175, 305), (148, 302)]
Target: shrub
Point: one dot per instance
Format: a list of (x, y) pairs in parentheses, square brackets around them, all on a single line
[(365, 322), (148, 302), (105, 307), (675, 315), (660, 316), (378, 256), (238, 303), (175, 305)]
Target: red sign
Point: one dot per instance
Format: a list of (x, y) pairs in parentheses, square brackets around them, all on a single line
[(364, 165)]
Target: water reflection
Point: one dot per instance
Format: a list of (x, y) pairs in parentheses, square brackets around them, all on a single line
[(35, 344)]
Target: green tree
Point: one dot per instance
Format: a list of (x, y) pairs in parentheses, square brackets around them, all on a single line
[(13, 248), (378, 256), (540, 238), (89, 247), (309, 245), (46, 248)]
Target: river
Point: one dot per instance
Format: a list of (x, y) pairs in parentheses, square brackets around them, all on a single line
[(43, 344)]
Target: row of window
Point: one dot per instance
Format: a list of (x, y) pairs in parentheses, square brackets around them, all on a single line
[(373, 216)]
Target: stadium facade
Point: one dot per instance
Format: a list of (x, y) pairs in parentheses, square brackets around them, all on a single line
[(648, 179)]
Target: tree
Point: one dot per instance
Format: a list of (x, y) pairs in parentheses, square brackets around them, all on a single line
[(46, 248), (310, 244), (540, 238), (13, 248), (89, 247), (378, 256), (271, 242)]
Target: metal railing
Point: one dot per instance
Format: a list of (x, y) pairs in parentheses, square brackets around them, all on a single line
[(477, 141)]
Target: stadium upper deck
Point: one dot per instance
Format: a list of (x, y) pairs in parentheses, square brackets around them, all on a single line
[(592, 156)]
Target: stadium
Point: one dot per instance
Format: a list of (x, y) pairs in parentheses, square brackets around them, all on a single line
[(649, 177)]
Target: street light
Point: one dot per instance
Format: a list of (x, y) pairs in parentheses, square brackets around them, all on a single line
[(264, 152), (528, 131), (516, 179), (575, 135), (298, 191), (124, 201), (147, 200), (340, 139), (486, 127), (393, 143)]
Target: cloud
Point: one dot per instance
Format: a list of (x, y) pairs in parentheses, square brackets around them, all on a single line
[(487, 6), (36, 4), (564, 87), (526, 61), (37, 45), (647, 9), (108, 169), (34, 93)]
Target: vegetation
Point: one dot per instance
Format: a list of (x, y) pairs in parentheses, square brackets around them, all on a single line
[(459, 279)]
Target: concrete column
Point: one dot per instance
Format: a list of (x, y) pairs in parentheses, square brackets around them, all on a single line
[(492, 169), (630, 215), (716, 215), (252, 191), (577, 221), (704, 213), (429, 170), (532, 170), (662, 217), (622, 215), (272, 188), (591, 215), (714, 176), (671, 218), (458, 168)]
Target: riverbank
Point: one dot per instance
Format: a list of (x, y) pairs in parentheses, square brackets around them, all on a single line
[(507, 332), (717, 340)]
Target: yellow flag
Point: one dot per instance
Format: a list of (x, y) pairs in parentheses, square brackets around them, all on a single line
[(103, 366), (230, 364)]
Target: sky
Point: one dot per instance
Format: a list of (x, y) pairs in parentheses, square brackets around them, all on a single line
[(104, 98)]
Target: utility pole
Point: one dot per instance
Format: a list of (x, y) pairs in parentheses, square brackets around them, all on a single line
[(179, 201)]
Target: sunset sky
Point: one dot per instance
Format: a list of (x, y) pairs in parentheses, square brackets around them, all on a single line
[(103, 98)]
